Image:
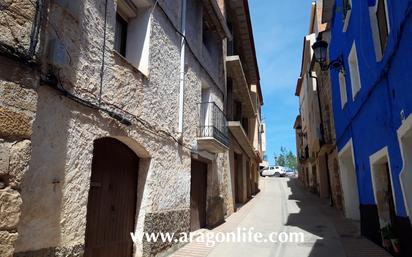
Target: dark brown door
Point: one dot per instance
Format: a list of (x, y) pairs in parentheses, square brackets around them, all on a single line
[(248, 180), (238, 177), (111, 206), (391, 202), (198, 190)]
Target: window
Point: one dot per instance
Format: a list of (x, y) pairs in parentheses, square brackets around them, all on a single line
[(354, 71), (245, 125), (132, 33), (232, 48), (120, 35), (346, 10), (210, 38), (380, 27), (382, 24), (342, 86), (207, 29), (347, 7)]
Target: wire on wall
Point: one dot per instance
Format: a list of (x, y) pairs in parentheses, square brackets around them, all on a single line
[(114, 111)]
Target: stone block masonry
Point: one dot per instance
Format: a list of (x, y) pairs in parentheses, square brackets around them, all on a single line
[(18, 101), (47, 139), (17, 112), (16, 22)]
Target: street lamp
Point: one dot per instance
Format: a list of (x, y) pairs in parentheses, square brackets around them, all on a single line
[(321, 50), (320, 47)]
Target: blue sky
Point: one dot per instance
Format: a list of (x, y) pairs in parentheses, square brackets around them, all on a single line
[(279, 28)]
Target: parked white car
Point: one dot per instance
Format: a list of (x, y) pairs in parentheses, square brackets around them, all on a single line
[(277, 171)]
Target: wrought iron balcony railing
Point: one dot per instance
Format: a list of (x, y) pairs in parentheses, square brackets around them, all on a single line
[(213, 123)]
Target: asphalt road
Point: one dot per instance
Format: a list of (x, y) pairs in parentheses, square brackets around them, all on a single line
[(283, 206)]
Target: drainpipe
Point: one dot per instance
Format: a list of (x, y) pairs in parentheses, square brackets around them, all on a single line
[(182, 67)]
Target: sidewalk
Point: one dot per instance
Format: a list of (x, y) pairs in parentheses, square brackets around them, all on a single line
[(354, 244), (283, 206), (200, 249)]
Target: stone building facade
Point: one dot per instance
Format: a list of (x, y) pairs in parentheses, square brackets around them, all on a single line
[(18, 106), (87, 111), (243, 104), (327, 161), (315, 130), (307, 124)]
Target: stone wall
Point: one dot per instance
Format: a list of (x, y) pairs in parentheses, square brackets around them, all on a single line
[(226, 184), (336, 188), (18, 101), (17, 106), (16, 21), (325, 91), (17, 112), (330, 136), (49, 137)]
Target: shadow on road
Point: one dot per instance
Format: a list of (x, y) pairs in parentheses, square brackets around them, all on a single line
[(323, 239)]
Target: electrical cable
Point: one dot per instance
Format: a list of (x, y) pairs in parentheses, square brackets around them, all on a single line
[(116, 115), (170, 21), (59, 87)]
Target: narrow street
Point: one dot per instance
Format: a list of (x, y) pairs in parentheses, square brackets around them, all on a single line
[(282, 206), (194, 128)]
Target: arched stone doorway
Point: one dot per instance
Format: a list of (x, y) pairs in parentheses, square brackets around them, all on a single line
[(111, 207)]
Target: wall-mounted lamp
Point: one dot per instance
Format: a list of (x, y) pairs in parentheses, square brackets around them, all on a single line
[(320, 48)]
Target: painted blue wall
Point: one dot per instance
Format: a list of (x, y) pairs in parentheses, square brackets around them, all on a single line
[(372, 119)]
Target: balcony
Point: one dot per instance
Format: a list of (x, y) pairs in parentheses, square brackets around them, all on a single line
[(240, 87), (213, 131), (216, 17), (241, 137)]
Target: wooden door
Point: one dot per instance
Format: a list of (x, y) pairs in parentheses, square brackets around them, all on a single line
[(236, 178), (111, 207), (248, 180), (391, 202), (198, 191)]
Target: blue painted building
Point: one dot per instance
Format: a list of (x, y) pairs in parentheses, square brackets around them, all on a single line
[(372, 103)]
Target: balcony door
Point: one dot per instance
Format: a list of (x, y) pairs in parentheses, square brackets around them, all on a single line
[(238, 111)]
